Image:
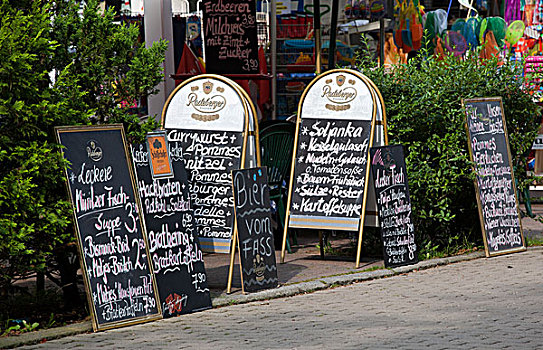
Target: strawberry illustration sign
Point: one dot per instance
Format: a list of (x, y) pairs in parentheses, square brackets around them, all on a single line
[(230, 36)]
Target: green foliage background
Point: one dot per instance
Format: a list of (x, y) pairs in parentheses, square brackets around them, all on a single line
[(60, 64), (424, 114)]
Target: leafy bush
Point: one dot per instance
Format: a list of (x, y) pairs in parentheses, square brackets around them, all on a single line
[(424, 113), (60, 64)]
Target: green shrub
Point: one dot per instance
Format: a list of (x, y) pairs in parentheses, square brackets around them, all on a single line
[(424, 113), (60, 64)]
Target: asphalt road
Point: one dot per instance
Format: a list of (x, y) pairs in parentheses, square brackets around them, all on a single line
[(480, 304)]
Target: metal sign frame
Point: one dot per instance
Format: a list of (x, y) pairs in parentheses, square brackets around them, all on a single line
[(374, 95), (250, 122)]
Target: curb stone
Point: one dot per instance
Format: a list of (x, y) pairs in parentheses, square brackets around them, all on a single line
[(280, 292)]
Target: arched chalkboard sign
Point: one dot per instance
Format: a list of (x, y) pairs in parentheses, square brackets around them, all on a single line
[(211, 122), (329, 178)]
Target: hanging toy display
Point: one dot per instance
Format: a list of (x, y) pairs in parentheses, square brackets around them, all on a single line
[(455, 43), (377, 9), (514, 32), (408, 28)]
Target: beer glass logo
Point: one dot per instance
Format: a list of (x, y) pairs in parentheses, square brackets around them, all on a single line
[(94, 152)]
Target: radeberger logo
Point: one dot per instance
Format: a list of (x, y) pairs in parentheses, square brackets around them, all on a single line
[(338, 94), (94, 152), (207, 104)]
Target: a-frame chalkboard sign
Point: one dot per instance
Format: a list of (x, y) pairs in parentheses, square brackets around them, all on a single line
[(121, 288), (495, 180), (254, 235), (394, 203), (335, 129), (211, 122), (169, 221)]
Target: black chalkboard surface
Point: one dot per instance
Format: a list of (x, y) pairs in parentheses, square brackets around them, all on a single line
[(495, 184), (116, 268), (176, 256), (330, 172), (394, 205), (230, 35), (209, 157), (253, 218)]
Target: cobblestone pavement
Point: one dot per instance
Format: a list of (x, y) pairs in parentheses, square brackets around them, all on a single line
[(480, 304)]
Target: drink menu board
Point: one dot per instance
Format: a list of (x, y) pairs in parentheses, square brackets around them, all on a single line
[(230, 36), (176, 256), (209, 156), (394, 205), (495, 182), (115, 260), (255, 235)]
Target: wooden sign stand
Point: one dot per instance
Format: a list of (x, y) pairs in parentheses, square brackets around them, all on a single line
[(345, 96), (480, 129), (100, 149), (201, 98)]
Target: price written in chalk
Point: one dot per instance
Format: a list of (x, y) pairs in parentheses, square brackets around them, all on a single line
[(174, 247), (110, 235), (230, 32), (489, 150)]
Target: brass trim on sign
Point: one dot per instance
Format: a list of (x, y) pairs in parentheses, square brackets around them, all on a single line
[(86, 280), (477, 191), (371, 89)]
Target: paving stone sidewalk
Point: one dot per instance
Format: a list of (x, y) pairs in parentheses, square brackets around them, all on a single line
[(478, 304), (304, 272)]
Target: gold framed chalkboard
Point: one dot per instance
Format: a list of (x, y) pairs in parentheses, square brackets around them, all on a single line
[(112, 243), (214, 124), (495, 186), (210, 104), (345, 102), (380, 139)]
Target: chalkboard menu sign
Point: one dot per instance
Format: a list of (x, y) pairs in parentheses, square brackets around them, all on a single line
[(210, 157), (255, 235), (495, 182), (330, 164), (230, 36), (115, 258), (207, 121), (330, 169), (176, 256), (394, 205)]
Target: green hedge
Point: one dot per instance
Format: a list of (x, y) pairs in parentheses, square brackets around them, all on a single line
[(60, 64), (424, 114)]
